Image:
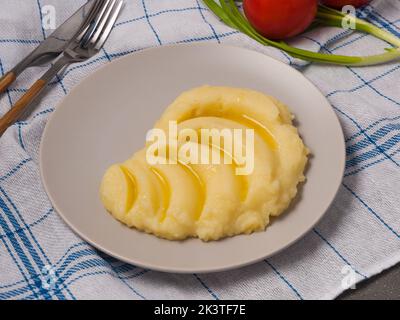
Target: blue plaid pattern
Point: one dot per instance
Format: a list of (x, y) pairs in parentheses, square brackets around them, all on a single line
[(361, 230)]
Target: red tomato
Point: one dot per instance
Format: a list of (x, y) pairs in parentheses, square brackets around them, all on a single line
[(280, 19), (338, 4)]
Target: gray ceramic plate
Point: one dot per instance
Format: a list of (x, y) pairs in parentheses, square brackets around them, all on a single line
[(105, 119)]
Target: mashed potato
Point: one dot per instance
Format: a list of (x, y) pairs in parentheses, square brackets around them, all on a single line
[(211, 201)]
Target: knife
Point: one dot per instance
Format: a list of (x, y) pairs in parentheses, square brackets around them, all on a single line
[(50, 48)]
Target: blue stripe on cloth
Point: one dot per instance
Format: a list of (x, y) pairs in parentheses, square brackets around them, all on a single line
[(124, 268), (91, 253), (386, 21), (18, 90), (106, 54), (74, 246), (37, 276), (20, 140), (12, 284), (59, 81), (371, 164), (288, 58), (14, 170), (367, 83), (25, 123), (295, 291), (21, 41), (124, 53), (127, 284), (89, 266), (82, 65), (374, 213), (149, 23), (41, 18), (18, 249), (372, 125), (14, 293), (95, 273), (209, 24), (94, 261), (376, 136), (26, 280), (345, 44), (31, 225), (119, 266), (211, 292), (365, 134), (64, 268), (387, 26), (222, 35), (2, 72), (32, 251), (338, 253), (362, 13), (382, 148), (352, 90), (151, 15)]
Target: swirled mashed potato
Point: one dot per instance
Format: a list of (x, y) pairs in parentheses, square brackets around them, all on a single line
[(178, 201)]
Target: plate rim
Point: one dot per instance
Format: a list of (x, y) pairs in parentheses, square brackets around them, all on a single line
[(180, 270)]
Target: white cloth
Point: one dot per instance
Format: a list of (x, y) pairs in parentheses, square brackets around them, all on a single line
[(360, 234)]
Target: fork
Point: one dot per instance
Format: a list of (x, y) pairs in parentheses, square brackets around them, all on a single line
[(85, 45)]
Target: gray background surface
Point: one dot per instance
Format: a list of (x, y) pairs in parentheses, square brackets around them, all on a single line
[(385, 286)]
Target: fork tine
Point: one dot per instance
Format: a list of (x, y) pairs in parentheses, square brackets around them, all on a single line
[(109, 25), (93, 24), (89, 20), (103, 22)]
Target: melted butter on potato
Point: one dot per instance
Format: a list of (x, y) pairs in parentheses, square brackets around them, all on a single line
[(210, 201)]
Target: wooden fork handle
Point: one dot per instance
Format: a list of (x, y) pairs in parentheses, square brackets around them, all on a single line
[(6, 81), (21, 105)]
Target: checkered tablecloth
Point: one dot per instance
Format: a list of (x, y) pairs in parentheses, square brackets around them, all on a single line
[(41, 258)]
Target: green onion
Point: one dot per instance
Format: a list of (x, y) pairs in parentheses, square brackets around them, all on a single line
[(229, 13)]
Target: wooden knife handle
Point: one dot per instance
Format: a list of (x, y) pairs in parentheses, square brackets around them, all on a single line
[(6, 81), (21, 105)]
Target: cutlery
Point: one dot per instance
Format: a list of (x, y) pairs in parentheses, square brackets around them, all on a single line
[(50, 48), (83, 46)]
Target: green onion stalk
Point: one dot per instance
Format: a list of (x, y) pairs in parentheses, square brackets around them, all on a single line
[(229, 13)]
